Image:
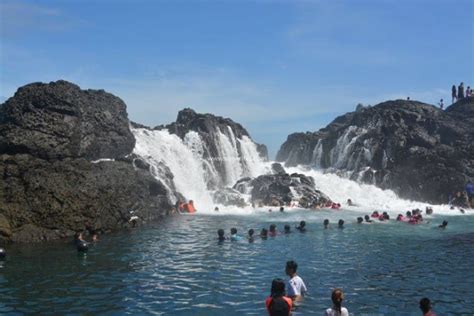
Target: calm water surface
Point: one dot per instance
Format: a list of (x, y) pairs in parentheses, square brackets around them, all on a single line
[(177, 267)]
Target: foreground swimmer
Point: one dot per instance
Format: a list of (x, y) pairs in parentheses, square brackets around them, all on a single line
[(287, 229), (220, 235), (277, 303), (337, 310), (296, 286), (425, 306), (360, 220), (326, 223), (264, 233), (367, 219), (443, 225), (233, 235), (302, 227)]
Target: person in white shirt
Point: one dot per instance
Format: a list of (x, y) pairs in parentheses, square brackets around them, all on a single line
[(337, 309), (296, 287)]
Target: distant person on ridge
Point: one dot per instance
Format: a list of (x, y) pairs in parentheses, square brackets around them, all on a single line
[(468, 92), (277, 303), (441, 104), (454, 94), (337, 297), (296, 286), (461, 91)]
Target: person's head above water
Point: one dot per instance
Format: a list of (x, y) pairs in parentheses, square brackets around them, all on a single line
[(220, 232), (287, 228), (408, 213), (425, 305), (264, 232), (367, 218), (326, 222), (272, 228), (233, 231), (302, 224), (340, 223), (291, 267), (282, 209), (444, 224), (251, 232), (278, 288), (216, 209), (359, 220), (337, 296)]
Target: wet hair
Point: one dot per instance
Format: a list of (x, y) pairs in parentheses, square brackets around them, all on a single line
[(341, 223), (326, 222), (282, 209), (408, 213), (462, 211), (375, 213), (233, 230), (367, 217), (444, 224), (264, 232), (216, 209), (337, 297), (272, 228), (425, 305), (77, 235), (291, 265), (251, 232), (287, 228), (360, 220), (278, 288), (302, 224), (220, 232), (270, 210)]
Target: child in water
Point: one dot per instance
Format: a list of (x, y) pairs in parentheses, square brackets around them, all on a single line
[(302, 227), (277, 303), (272, 232), (233, 235), (250, 236), (287, 229), (220, 235), (326, 223), (337, 310), (264, 233)]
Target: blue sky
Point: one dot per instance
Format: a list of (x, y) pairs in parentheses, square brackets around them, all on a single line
[(277, 67)]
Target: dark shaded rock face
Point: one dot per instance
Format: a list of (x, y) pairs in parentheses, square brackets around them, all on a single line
[(415, 149), (50, 188), (60, 120), (281, 189), (210, 129)]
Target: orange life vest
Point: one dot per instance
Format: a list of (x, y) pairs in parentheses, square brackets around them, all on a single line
[(269, 303), (190, 208)]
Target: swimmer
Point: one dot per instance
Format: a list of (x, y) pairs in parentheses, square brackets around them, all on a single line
[(79, 238), (233, 235), (462, 211), (216, 209), (250, 235), (443, 225), (220, 234), (349, 202), (264, 233), (277, 303), (282, 209), (269, 210), (360, 220), (272, 231), (326, 223), (287, 229), (385, 216), (95, 236), (375, 214), (367, 219), (400, 217), (428, 210), (425, 306), (296, 286), (340, 224), (302, 227), (408, 214)]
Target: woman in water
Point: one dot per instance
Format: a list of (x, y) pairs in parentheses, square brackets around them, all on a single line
[(277, 303), (337, 310)]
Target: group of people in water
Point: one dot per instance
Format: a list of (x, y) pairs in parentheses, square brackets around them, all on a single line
[(286, 296)]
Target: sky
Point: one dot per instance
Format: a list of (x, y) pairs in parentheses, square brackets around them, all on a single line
[(276, 67)]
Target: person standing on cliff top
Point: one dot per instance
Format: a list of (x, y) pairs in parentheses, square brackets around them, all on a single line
[(468, 91), (441, 104), (454, 94), (461, 91)]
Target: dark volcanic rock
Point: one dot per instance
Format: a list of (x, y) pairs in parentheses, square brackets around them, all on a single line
[(50, 188), (277, 168), (210, 128), (59, 120), (281, 189), (419, 151)]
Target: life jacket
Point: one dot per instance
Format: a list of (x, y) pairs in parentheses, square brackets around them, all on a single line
[(279, 306), (190, 208)]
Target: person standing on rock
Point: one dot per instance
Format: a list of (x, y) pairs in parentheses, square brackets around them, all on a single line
[(461, 91), (468, 91), (454, 94), (441, 104)]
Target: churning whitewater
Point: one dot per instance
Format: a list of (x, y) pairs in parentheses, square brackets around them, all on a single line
[(182, 166)]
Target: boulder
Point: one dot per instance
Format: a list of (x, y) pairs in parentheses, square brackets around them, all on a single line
[(229, 197)]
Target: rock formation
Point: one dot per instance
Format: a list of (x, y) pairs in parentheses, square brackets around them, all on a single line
[(415, 149), (51, 136)]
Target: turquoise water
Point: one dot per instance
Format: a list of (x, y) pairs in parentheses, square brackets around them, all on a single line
[(177, 267)]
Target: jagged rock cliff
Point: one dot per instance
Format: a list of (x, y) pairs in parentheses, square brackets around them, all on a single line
[(49, 136), (416, 149)]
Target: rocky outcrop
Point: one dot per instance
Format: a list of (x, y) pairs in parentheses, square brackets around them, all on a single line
[(51, 136), (223, 143), (415, 149), (281, 189), (229, 197)]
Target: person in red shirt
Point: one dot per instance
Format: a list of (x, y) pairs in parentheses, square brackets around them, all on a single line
[(277, 303)]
